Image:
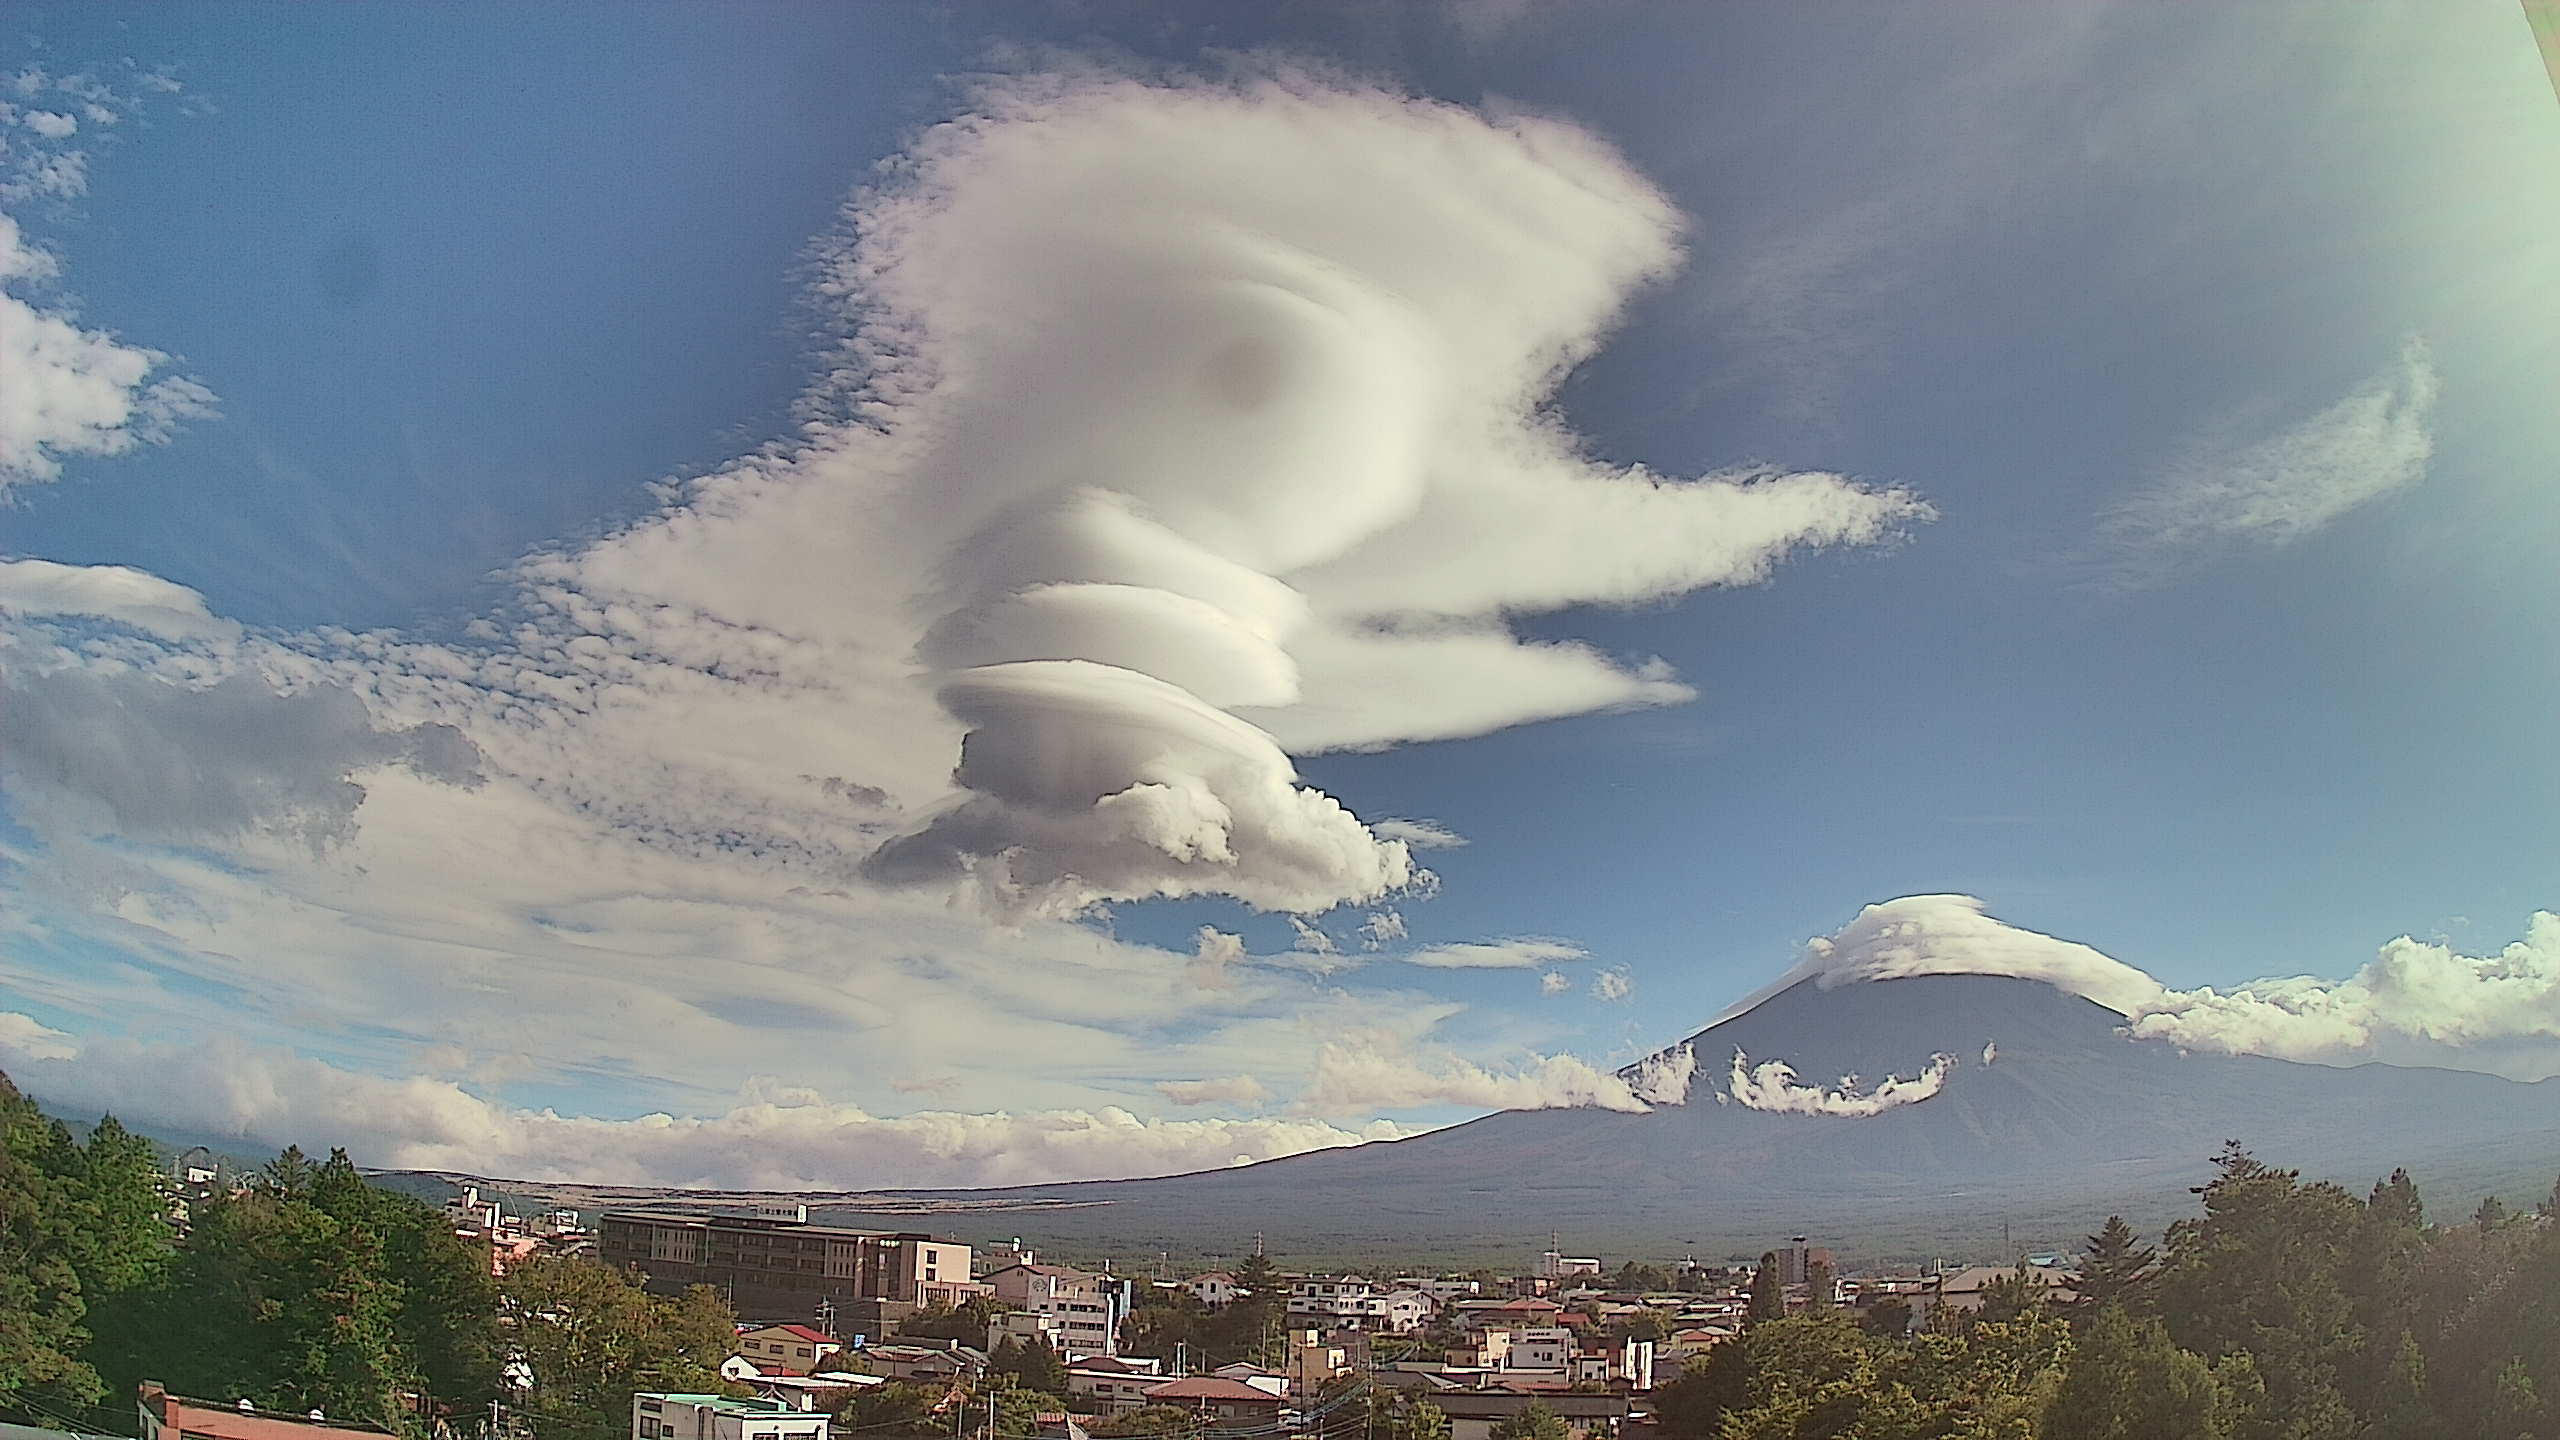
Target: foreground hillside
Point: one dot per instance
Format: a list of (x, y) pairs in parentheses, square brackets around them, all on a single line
[(2063, 1121)]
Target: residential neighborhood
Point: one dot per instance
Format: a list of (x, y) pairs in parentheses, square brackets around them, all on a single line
[(829, 1321)]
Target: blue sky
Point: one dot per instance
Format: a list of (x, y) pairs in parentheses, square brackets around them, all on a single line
[(2218, 350)]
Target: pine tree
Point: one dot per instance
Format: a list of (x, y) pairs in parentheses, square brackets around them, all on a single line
[(1768, 1291), (2115, 1270), (288, 1176), (2263, 1273)]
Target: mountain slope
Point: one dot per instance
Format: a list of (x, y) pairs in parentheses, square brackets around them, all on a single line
[(2068, 1121)]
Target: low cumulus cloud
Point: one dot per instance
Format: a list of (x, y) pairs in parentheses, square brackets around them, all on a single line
[(2286, 486), (73, 390), (1663, 1078), (24, 1038), (775, 1137), (1771, 1085), (2417, 1001), (1354, 1076)]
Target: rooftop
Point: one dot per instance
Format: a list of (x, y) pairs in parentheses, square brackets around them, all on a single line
[(755, 1222), (1210, 1387), (216, 1421), (723, 1404)]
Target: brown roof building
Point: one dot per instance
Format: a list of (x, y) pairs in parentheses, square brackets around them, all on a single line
[(171, 1417)]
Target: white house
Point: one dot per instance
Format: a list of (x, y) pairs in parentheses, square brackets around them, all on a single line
[(717, 1417), (1213, 1288)]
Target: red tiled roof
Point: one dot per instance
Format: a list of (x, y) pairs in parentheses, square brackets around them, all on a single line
[(803, 1332)]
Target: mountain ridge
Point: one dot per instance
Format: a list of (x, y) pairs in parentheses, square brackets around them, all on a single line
[(2069, 1120)]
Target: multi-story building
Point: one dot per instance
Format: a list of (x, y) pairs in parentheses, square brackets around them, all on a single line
[(1541, 1347), (1627, 1363), (1351, 1302), (717, 1417), (1087, 1306), (1330, 1298), (773, 1266)]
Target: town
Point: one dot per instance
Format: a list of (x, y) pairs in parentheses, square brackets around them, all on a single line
[(196, 1297), (1566, 1347)]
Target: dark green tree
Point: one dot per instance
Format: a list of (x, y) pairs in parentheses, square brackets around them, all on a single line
[(2263, 1272), (288, 1175), (2399, 1406), (1532, 1421), (1820, 1287), (898, 1408), (1030, 1364), (2018, 1293), (1889, 1318), (1693, 1406), (2125, 1380), (592, 1336), (2381, 1283), (1768, 1291), (2114, 1271), (281, 1303), (42, 1337), (970, 1324)]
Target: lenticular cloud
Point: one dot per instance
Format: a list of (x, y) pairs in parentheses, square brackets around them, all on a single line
[(1215, 416), (2414, 1002)]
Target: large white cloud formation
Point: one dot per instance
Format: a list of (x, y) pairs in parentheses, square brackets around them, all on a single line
[(1178, 428), (1233, 444), (2416, 1001)]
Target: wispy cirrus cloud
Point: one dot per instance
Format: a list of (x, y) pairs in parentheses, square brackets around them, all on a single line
[(1525, 953), (2277, 490)]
